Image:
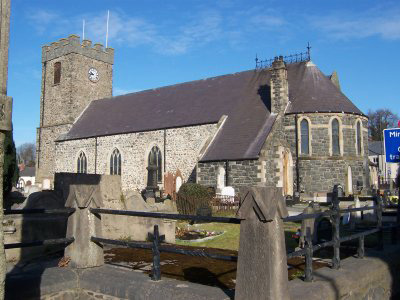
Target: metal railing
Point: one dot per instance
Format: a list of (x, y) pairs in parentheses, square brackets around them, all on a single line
[(30, 211), (156, 239), (334, 215), (288, 59), (335, 218)]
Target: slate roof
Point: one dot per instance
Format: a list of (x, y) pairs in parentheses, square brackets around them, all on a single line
[(375, 148), (27, 172), (244, 97)]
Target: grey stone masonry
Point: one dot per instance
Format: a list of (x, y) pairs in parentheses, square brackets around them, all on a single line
[(279, 86), (62, 102), (72, 45), (320, 170), (241, 173), (180, 149)]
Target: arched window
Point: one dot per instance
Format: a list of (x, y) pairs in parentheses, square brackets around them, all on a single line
[(115, 162), (57, 72), (359, 148), (335, 137), (156, 159), (82, 163), (304, 137)]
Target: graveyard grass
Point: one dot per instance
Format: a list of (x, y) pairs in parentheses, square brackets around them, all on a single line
[(230, 239)]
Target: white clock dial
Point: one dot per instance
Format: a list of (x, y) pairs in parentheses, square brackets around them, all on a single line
[(93, 75)]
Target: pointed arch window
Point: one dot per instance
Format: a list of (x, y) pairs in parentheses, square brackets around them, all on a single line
[(57, 72), (115, 162), (335, 137), (358, 137), (82, 163), (304, 137), (155, 158)]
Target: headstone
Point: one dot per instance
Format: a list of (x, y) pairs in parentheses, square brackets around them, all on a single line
[(309, 223), (220, 179), (262, 262), (83, 224), (228, 191), (357, 204), (352, 220), (178, 183), (46, 184)]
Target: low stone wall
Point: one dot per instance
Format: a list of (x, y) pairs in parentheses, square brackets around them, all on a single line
[(375, 277)]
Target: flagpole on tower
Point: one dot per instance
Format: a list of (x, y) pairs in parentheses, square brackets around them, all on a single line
[(108, 18), (83, 29)]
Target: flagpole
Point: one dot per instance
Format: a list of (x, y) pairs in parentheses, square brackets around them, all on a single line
[(108, 17)]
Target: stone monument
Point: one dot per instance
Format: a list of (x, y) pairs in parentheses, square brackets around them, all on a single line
[(262, 263), (82, 225)]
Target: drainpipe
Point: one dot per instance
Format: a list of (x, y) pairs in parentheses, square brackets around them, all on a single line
[(227, 173), (165, 150), (297, 155), (95, 156)]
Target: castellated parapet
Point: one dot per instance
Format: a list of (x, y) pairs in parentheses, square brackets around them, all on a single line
[(72, 44)]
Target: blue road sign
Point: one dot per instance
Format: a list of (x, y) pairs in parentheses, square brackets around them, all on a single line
[(392, 145)]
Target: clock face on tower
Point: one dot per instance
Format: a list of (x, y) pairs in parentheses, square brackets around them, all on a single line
[(93, 75)]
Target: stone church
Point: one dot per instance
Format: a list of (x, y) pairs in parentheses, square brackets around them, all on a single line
[(285, 125)]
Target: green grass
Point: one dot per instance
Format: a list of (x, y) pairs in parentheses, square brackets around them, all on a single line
[(230, 239)]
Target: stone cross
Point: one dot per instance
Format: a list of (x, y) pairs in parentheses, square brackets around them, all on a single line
[(82, 225), (262, 263)]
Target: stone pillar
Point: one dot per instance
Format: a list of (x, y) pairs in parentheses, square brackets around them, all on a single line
[(82, 225), (262, 262), (279, 86), (5, 120)]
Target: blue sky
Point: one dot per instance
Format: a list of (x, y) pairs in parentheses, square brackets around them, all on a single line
[(160, 43)]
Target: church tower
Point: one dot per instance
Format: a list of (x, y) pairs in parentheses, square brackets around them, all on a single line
[(73, 74)]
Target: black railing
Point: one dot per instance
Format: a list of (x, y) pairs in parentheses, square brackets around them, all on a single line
[(30, 211), (334, 215), (288, 59), (156, 239)]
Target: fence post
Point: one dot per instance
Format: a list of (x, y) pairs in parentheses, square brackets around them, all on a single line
[(379, 219), (262, 263), (156, 239), (83, 224), (335, 218), (360, 250), (308, 270)]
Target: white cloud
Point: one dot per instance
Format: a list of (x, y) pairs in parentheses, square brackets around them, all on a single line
[(377, 22), (203, 27)]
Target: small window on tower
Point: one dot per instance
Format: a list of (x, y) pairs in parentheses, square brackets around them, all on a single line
[(57, 72)]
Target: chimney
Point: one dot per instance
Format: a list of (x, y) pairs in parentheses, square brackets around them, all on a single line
[(279, 86)]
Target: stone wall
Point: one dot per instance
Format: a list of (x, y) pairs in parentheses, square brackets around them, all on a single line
[(45, 150), (180, 148), (240, 173), (321, 170)]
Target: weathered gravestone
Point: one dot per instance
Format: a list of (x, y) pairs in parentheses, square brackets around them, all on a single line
[(309, 223), (82, 225), (262, 263)]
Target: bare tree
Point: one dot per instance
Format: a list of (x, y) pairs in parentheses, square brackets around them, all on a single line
[(27, 153), (379, 120)]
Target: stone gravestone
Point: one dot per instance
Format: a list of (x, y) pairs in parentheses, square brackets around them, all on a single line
[(309, 223), (82, 225), (262, 263), (220, 179)]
